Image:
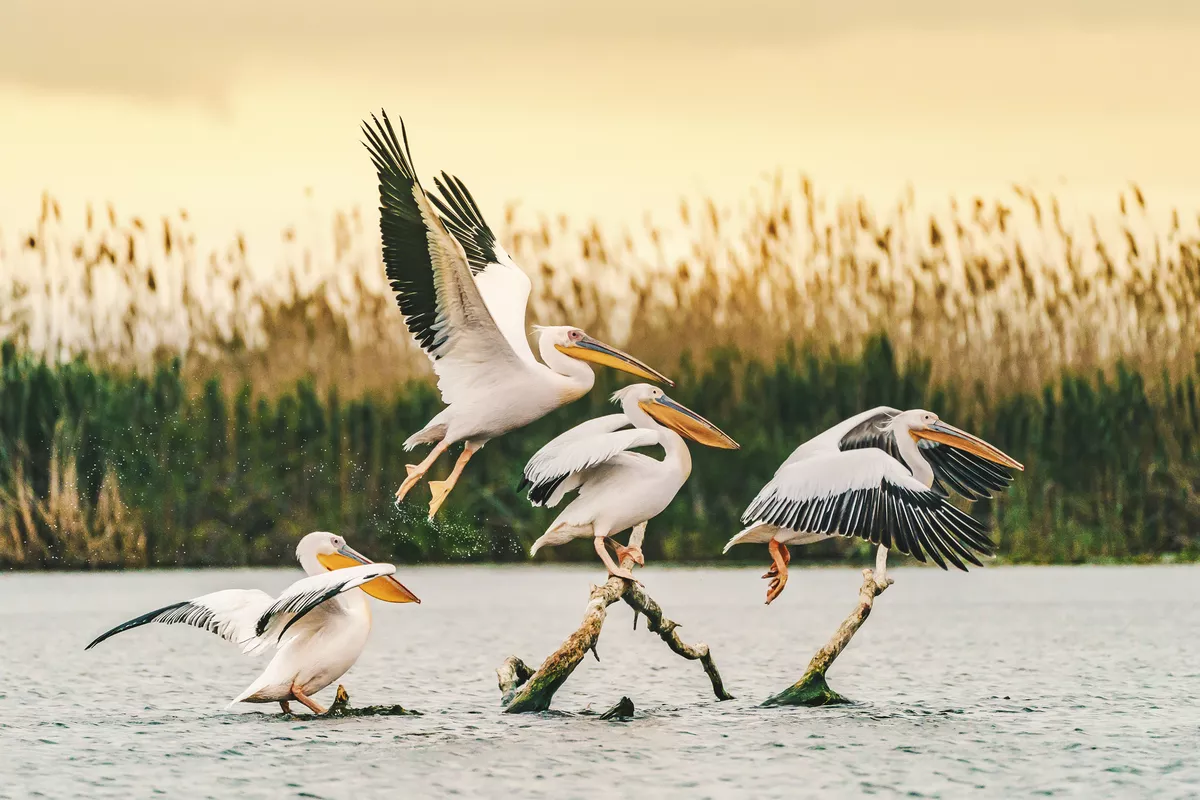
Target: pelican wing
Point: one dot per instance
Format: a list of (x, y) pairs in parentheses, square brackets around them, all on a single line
[(972, 477), (504, 286), (871, 431), (428, 270), (560, 465), (867, 494), (862, 429), (308, 594), (967, 474), (230, 614)]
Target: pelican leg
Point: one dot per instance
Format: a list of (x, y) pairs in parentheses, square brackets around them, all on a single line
[(881, 578), (613, 569), (780, 558), (286, 706), (773, 570), (306, 700), (442, 488), (417, 471), (633, 552)]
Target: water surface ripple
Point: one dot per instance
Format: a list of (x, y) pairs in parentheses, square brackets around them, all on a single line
[(1006, 682)]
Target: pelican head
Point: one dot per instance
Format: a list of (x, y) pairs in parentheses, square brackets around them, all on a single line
[(577, 344), (673, 415), (324, 552), (922, 424)]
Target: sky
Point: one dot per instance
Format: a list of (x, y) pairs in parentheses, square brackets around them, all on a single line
[(247, 114)]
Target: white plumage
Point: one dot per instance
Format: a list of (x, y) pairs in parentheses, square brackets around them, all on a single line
[(617, 488), (879, 476), (464, 301), (318, 626)]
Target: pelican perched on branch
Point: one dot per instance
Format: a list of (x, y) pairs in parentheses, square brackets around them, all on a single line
[(464, 302), (881, 476), (318, 626), (618, 489)]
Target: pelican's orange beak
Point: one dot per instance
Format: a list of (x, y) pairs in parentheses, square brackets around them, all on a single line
[(687, 423), (949, 435), (597, 352), (385, 588)]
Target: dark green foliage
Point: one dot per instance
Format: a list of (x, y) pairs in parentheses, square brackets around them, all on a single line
[(219, 477)]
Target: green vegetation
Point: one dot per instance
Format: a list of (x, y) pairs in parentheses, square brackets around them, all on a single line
[(103, 469), (164, 403)]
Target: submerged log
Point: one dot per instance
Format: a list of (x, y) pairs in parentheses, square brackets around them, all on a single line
[(522, 689), (341, 708), (812, 689)]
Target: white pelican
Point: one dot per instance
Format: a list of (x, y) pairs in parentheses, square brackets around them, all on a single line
[(318, 626), (464, 302), (880, 476), (618, 489)]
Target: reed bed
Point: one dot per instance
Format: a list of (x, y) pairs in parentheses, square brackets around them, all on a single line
[(163, 403)]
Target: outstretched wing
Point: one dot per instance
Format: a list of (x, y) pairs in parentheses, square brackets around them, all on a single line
[(308, 594), (867, 494), (230, 614), (972, 477), (505, 286), (559, 466), (428, 270)]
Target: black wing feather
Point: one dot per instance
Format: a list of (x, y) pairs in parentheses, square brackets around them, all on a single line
[(540, 493), (969, 475), (185, 612), (465, 222), (300, 605), (921, 524), (870, 433), (405, 236)]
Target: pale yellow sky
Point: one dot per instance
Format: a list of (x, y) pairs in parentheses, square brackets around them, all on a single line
[(233, 113)]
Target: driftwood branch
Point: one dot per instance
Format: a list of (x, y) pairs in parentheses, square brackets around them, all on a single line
[(811, 689), (523, 689), (657, 622)]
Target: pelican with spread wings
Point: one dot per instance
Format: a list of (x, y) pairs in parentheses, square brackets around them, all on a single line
[(317, 627), (882, 476), (618, 488), (463, 299)]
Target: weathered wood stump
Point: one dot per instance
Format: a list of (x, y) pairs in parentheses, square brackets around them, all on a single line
[(812, 689), (622, 710), (523, 689)]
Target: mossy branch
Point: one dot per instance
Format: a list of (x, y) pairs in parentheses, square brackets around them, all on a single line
[(812, 689)]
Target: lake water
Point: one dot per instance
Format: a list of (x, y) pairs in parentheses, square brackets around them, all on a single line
[(1005, 682)]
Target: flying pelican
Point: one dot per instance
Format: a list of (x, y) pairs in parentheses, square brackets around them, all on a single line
[(318, 626), (618, 489), (880, 476), (464, 301)]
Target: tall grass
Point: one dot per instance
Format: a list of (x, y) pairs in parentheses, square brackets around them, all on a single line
[(162, 475), (1006, 292), (161, 403)]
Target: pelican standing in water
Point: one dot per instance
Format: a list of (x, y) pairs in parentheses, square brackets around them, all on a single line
[(464, 302), (618, 489), (881, 476), (318, 626)]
